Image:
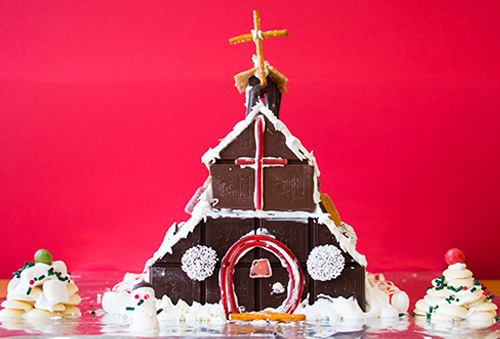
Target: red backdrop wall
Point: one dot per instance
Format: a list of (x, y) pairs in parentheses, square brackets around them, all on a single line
[(107, 106)]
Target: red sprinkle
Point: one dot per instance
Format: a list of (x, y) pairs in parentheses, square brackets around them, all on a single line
[(136, 296), (465, 288), (485, 292), (32, 282)]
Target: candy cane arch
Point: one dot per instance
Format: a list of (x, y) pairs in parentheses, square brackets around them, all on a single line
[(259, 162), (287, 258)]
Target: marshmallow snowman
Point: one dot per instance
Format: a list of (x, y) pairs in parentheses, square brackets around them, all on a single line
[(144, 312)]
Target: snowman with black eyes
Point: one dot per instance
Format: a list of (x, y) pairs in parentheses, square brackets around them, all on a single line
[(143, 306)]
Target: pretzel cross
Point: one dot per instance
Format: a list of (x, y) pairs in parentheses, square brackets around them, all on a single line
[(257, 36)]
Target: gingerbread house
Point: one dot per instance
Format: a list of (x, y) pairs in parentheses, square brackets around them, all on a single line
[(260, 234)]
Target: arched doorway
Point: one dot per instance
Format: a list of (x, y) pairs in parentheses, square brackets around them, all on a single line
[(286, 256)]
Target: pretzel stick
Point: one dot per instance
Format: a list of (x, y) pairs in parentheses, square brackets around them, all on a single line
[(266, 315), (268, 34), (258, 47)]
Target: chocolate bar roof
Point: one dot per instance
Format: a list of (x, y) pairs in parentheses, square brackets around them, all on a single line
[(204, 209), (291, 141)]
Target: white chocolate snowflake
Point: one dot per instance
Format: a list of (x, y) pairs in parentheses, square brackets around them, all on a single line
[(198, 262), (325, 262)]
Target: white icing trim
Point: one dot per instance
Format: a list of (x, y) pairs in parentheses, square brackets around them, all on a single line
[(204, 209), (292, 142)]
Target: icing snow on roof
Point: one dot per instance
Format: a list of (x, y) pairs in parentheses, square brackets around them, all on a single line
[(204, 209), (292, 142)]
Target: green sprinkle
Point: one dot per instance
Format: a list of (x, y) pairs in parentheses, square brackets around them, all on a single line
[(128, 308), (459, 289), (29, 291), (19, 271), (413, 314), (472, 290), (41, 277)]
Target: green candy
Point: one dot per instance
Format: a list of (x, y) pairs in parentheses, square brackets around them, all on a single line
[(43, 256)]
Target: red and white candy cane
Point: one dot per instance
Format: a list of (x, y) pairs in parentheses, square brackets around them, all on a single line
[(238, 250), (386, 286)]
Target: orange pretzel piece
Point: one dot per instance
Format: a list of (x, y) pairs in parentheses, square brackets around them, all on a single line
[(330, 208), (266, 315)]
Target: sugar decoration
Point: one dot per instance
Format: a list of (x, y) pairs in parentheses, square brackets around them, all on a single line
[(325, 262), (348, 232), (198, 262)]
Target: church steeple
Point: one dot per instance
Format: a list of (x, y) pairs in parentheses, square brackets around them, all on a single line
[(263, 81)]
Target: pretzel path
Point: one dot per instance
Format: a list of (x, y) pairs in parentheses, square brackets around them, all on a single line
[(267, 315), (257, 36)]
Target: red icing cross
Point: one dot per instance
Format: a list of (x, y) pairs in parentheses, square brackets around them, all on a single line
[(259, 162)]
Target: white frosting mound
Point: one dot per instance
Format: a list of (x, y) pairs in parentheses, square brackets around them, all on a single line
[(457, 296), (41, 290), (379, 304)]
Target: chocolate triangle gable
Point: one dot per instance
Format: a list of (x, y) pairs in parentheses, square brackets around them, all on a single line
[(257, 171), (263, 184), (244, 144)]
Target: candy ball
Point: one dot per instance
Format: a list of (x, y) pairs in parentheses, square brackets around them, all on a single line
[(453, 256), (43, 256)]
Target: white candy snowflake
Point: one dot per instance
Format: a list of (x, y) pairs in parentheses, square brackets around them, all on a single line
[(325, 262), (348, 232), (198, 262)]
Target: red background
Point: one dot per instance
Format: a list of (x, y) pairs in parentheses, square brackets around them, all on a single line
[(107, 106)]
